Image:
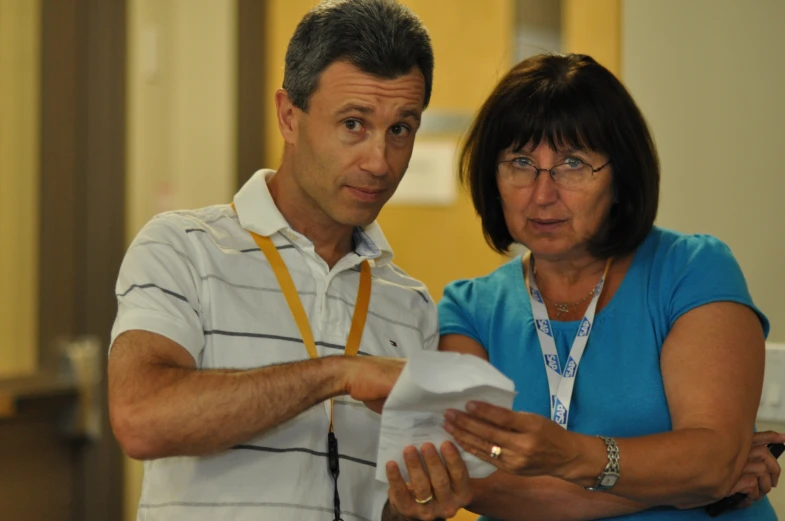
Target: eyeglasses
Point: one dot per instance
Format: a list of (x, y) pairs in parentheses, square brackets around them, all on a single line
[(520, 172)]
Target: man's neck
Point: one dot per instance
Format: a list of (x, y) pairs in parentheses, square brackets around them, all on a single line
[(331, 240)]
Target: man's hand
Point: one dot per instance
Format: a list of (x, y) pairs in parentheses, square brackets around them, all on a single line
[(436, 493), (370, 379)]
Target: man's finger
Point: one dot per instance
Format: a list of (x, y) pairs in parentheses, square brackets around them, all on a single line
[(459, 474), (421, 484), (398, 492), (440, 479)]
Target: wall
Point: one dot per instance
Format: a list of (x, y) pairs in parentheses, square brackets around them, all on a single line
[(181, 105), (593, 27), (181, 118), (716, 109), (710, 80), (19, 122)]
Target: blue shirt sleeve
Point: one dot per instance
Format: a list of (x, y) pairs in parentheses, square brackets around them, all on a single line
[(456, 310), (698, 270)]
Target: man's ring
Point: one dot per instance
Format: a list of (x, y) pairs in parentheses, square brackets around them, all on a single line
[(424, 501), (496, 451)]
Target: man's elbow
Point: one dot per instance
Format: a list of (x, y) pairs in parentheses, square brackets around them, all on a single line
[(134, 434)]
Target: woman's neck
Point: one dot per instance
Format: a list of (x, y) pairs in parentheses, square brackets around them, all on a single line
[(563, 274)]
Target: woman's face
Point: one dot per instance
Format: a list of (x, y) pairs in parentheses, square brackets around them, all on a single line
[(554, 221)]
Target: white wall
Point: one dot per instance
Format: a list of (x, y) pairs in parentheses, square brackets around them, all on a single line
[(709, 76), (181, 105)]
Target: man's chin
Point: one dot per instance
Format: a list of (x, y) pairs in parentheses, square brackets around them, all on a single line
[(359, 219)]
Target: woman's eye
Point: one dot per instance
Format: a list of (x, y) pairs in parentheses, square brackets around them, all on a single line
[(521, 162), (573, 162)]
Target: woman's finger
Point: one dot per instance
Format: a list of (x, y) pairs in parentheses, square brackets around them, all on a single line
[(479, 429), (472, 444), (766, 437)]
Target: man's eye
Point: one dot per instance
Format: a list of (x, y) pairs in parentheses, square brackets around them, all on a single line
[(352, 125), (400, 130)]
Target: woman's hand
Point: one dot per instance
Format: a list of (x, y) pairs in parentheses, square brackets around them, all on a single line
[(762, 471), (435, 492), (530, 444)]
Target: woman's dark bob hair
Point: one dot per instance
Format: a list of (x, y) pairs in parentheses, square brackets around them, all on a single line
[(566, 101)]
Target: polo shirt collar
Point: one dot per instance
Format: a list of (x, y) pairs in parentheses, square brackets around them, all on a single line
[(257, 213)]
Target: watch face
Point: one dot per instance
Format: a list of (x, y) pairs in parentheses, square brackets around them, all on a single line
[(609, 479)]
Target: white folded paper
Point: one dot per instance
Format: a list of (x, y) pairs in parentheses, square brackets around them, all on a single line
[(430, 383)]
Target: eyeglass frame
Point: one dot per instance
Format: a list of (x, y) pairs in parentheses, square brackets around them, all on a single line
[(551, 172)]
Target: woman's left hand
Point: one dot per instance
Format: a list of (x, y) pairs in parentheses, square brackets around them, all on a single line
[(762, 471), (528, 444)]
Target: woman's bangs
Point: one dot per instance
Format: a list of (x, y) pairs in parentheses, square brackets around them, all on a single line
[(561, 121)]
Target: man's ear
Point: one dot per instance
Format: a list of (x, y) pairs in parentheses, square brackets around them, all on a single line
[(286, 113)]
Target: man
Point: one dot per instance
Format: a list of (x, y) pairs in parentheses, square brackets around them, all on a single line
[(233, 319)]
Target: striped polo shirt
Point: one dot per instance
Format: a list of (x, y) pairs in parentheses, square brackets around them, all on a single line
[(198, 278)]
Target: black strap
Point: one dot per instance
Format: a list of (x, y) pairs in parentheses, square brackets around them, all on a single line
[(333, 465)]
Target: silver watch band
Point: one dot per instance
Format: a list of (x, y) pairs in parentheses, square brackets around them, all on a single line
[(610, 475), (613, 454)]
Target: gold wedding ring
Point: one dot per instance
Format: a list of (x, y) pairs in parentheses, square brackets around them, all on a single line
[(496, 451), (424, 501)]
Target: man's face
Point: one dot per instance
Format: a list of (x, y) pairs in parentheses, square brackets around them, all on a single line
[(353, 145)]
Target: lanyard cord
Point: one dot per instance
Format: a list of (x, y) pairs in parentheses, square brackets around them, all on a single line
[(561, 378), (353, 340)]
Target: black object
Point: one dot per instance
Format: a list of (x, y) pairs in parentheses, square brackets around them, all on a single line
[(729, 502), (332, 464)]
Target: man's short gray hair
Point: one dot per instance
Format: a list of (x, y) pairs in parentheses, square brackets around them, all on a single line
[(380, 37)]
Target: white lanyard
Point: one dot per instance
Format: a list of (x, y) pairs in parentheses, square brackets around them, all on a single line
[(561, 381)]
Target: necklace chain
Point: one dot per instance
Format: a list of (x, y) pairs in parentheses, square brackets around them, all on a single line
[(562, 307)]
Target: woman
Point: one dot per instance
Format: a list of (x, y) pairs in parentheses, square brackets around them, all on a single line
[(637, 351)]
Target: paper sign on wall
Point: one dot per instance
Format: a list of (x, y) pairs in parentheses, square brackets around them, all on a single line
[(432, 175)]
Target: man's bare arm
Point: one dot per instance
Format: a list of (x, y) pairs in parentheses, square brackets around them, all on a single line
[(161, 405)]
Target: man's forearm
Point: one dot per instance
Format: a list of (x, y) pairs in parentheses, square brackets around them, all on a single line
[(515, 498), (192, 412)]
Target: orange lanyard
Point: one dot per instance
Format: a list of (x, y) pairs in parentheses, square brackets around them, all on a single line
[(296, 306)]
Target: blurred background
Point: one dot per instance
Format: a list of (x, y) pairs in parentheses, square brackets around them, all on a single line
[(114, 110)]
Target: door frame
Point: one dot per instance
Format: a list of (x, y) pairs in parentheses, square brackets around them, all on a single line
[(82, 226)]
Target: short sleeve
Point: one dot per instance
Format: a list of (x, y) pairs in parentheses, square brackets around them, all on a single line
[(158, 287), (457, 313), (701, 269)]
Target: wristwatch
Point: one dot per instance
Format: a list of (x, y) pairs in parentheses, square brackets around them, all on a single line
[(608, 477)]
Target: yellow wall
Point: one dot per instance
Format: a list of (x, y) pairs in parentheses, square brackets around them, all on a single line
[(593, 27), (19, 79)]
